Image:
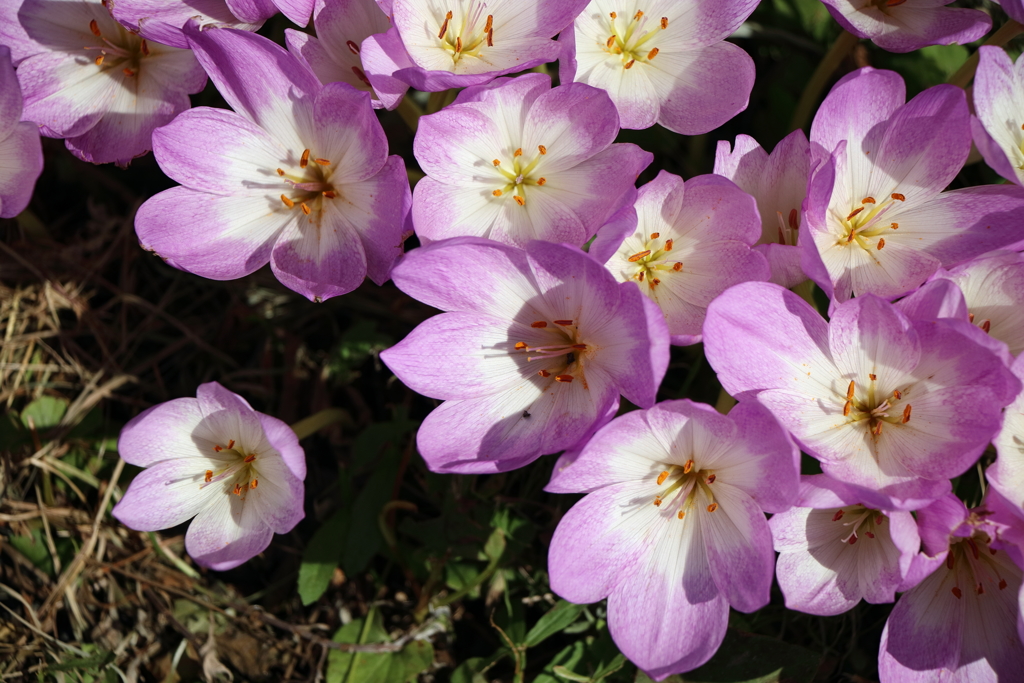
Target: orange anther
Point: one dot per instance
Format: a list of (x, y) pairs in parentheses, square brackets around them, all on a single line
[(881, 243), (99, 60), (254, 483), (677, 266), (664, 22), (662, 477), (249, 458), (653, 282), (542, 149), (868, 200), (639, 276), (280, 171), (128, 72), (541, 181), (563, 378), (613, 15), (497, 193), (238, 490), (639, 255), (544, 373), (209, 476), (304, 159), (855, 212), (518, 152), (877, 431), (218, 448), (680, 514), (563, 322), (539, 324), (639, 16), (330, 194), (521, 201), (490, 23), (288, 202), (687, 466), (956, 592), (655, 235), (231, 444), (668, 245), (322, 162), (305, 209), (897, 394), (895, 226), (847, 407), (629, 64), (986, 325), (711, 479), (898, 197), (652, 54), (145, 48), (839, 515), (496, 162), (657, 502), (520, 346), (610, 41), (872, 377), (906, 414), (458, 43), (712, 507), (850, 389), (95, 28), (444, 26)]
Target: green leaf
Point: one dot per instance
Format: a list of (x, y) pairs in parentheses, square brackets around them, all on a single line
[(45, 412), (556, 619), (322, 556), (34, 548), (495, 545), (747, 658), (96, 662), (568, 675), (403, 666), (471, 670), (562, 666)]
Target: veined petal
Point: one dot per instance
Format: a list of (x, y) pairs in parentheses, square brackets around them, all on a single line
[(226, 533), (167, 494), (999, 100), (21, 162), (348, 133), (739, 546), (868, 336), (160, 433)]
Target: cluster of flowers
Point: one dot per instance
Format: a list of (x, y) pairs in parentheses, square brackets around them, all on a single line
[(539, 339)]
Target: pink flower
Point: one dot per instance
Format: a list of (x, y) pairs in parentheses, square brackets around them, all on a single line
[(19, 145), (906, 25), (213, 457), (999, 100)]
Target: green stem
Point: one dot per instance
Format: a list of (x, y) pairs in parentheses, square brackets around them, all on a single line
[(437, 101), (364, 633), (1002, 36), (314, 423), (820, 78), (805, 290), (462, 592), (410, 113), (725, 402)]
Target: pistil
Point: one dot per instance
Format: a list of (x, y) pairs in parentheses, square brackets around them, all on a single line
[(654, 261), (632, 43), (688, 480), (519, 175), (468, 38)]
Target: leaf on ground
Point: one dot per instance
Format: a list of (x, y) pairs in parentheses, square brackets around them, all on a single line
[(44, 412), (557, 618), (322, 556), (403, 666)]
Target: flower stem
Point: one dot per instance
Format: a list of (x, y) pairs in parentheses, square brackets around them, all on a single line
[(805, 290), (410, 113), (314, 423), (1002, 36), (725, 402), (820, 78)]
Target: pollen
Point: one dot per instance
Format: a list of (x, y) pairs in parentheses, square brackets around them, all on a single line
[(629, 64), (542, 149), (497, 193), (662, 477), (850, 390), (687, 466), (541, 181), (639, 255), (305, 209), (444, 26), (521, 346), (539, 324), (657, 502), (868, 200), (254, 483), (563, 378), (563, 322), (872, 377), (518, 152), (664, 22), (613, 15), (238, 490), (496, 162), (847, 407), (655, 235), (519, 200), (304, 159), (95, 28), (677, 266), (544, 373), (639, 16), (209, 476), (680, 514), (639, 276), (322, 162), (895, 226), (280, 171), (712, 507), (906, 413), (128, 72), (287, 202), (898, 197), (668, 245), (249, 458), (881, 243), (99, 60), (652, 54), (855, 212)]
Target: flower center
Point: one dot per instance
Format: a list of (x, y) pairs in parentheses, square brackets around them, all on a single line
[(239, 469), (682, 485), (866, 403), (519, 174), (864, 224), (971, 560), (124, 50), (563, 357), (860, 521), (468, 34), (632, 41), (653, 262), (308, 186)]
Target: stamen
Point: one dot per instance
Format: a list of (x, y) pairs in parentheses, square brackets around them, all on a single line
[(906, 413), (305, 209), (664, 23), (254, 483), (539, 324), (128, 72), (869, 534), (687, 466), (839, 515), (677, 266), (217, 448), (496, 162), (352, 47), (518, 152), (881, 243), (249, 458), (444, 26), (897, 394), (850, 390), (794, 217), (639, 16), (541, 181), (544, 373), (490, 23), (304, 159), (145, 48), (681, 514), (655, 235), (847, 407), (898, 197), (970, 317), (99, 60), (895, 226), (986, 325), (563, 322), (872, 377), (209, 476), (629, 64), (657, 502), (322, 162), (238, 490), (95, 28), (497, 193), (654, 281), (490, 38), (981, 589), (662, 477), (563, 378), (280, 171), (519, 200), (853, 539), (231, 444), (613, 15), (877, 431), (330, 194), (668, 245), (287, 202), (640, 276), (956, 592), (855, 212), (521, 346), (542, 149), (712, 507), (458, 43), (949, 561), (610, 41), (639, 255), (868, 200), (652, 54), (711, 479)]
